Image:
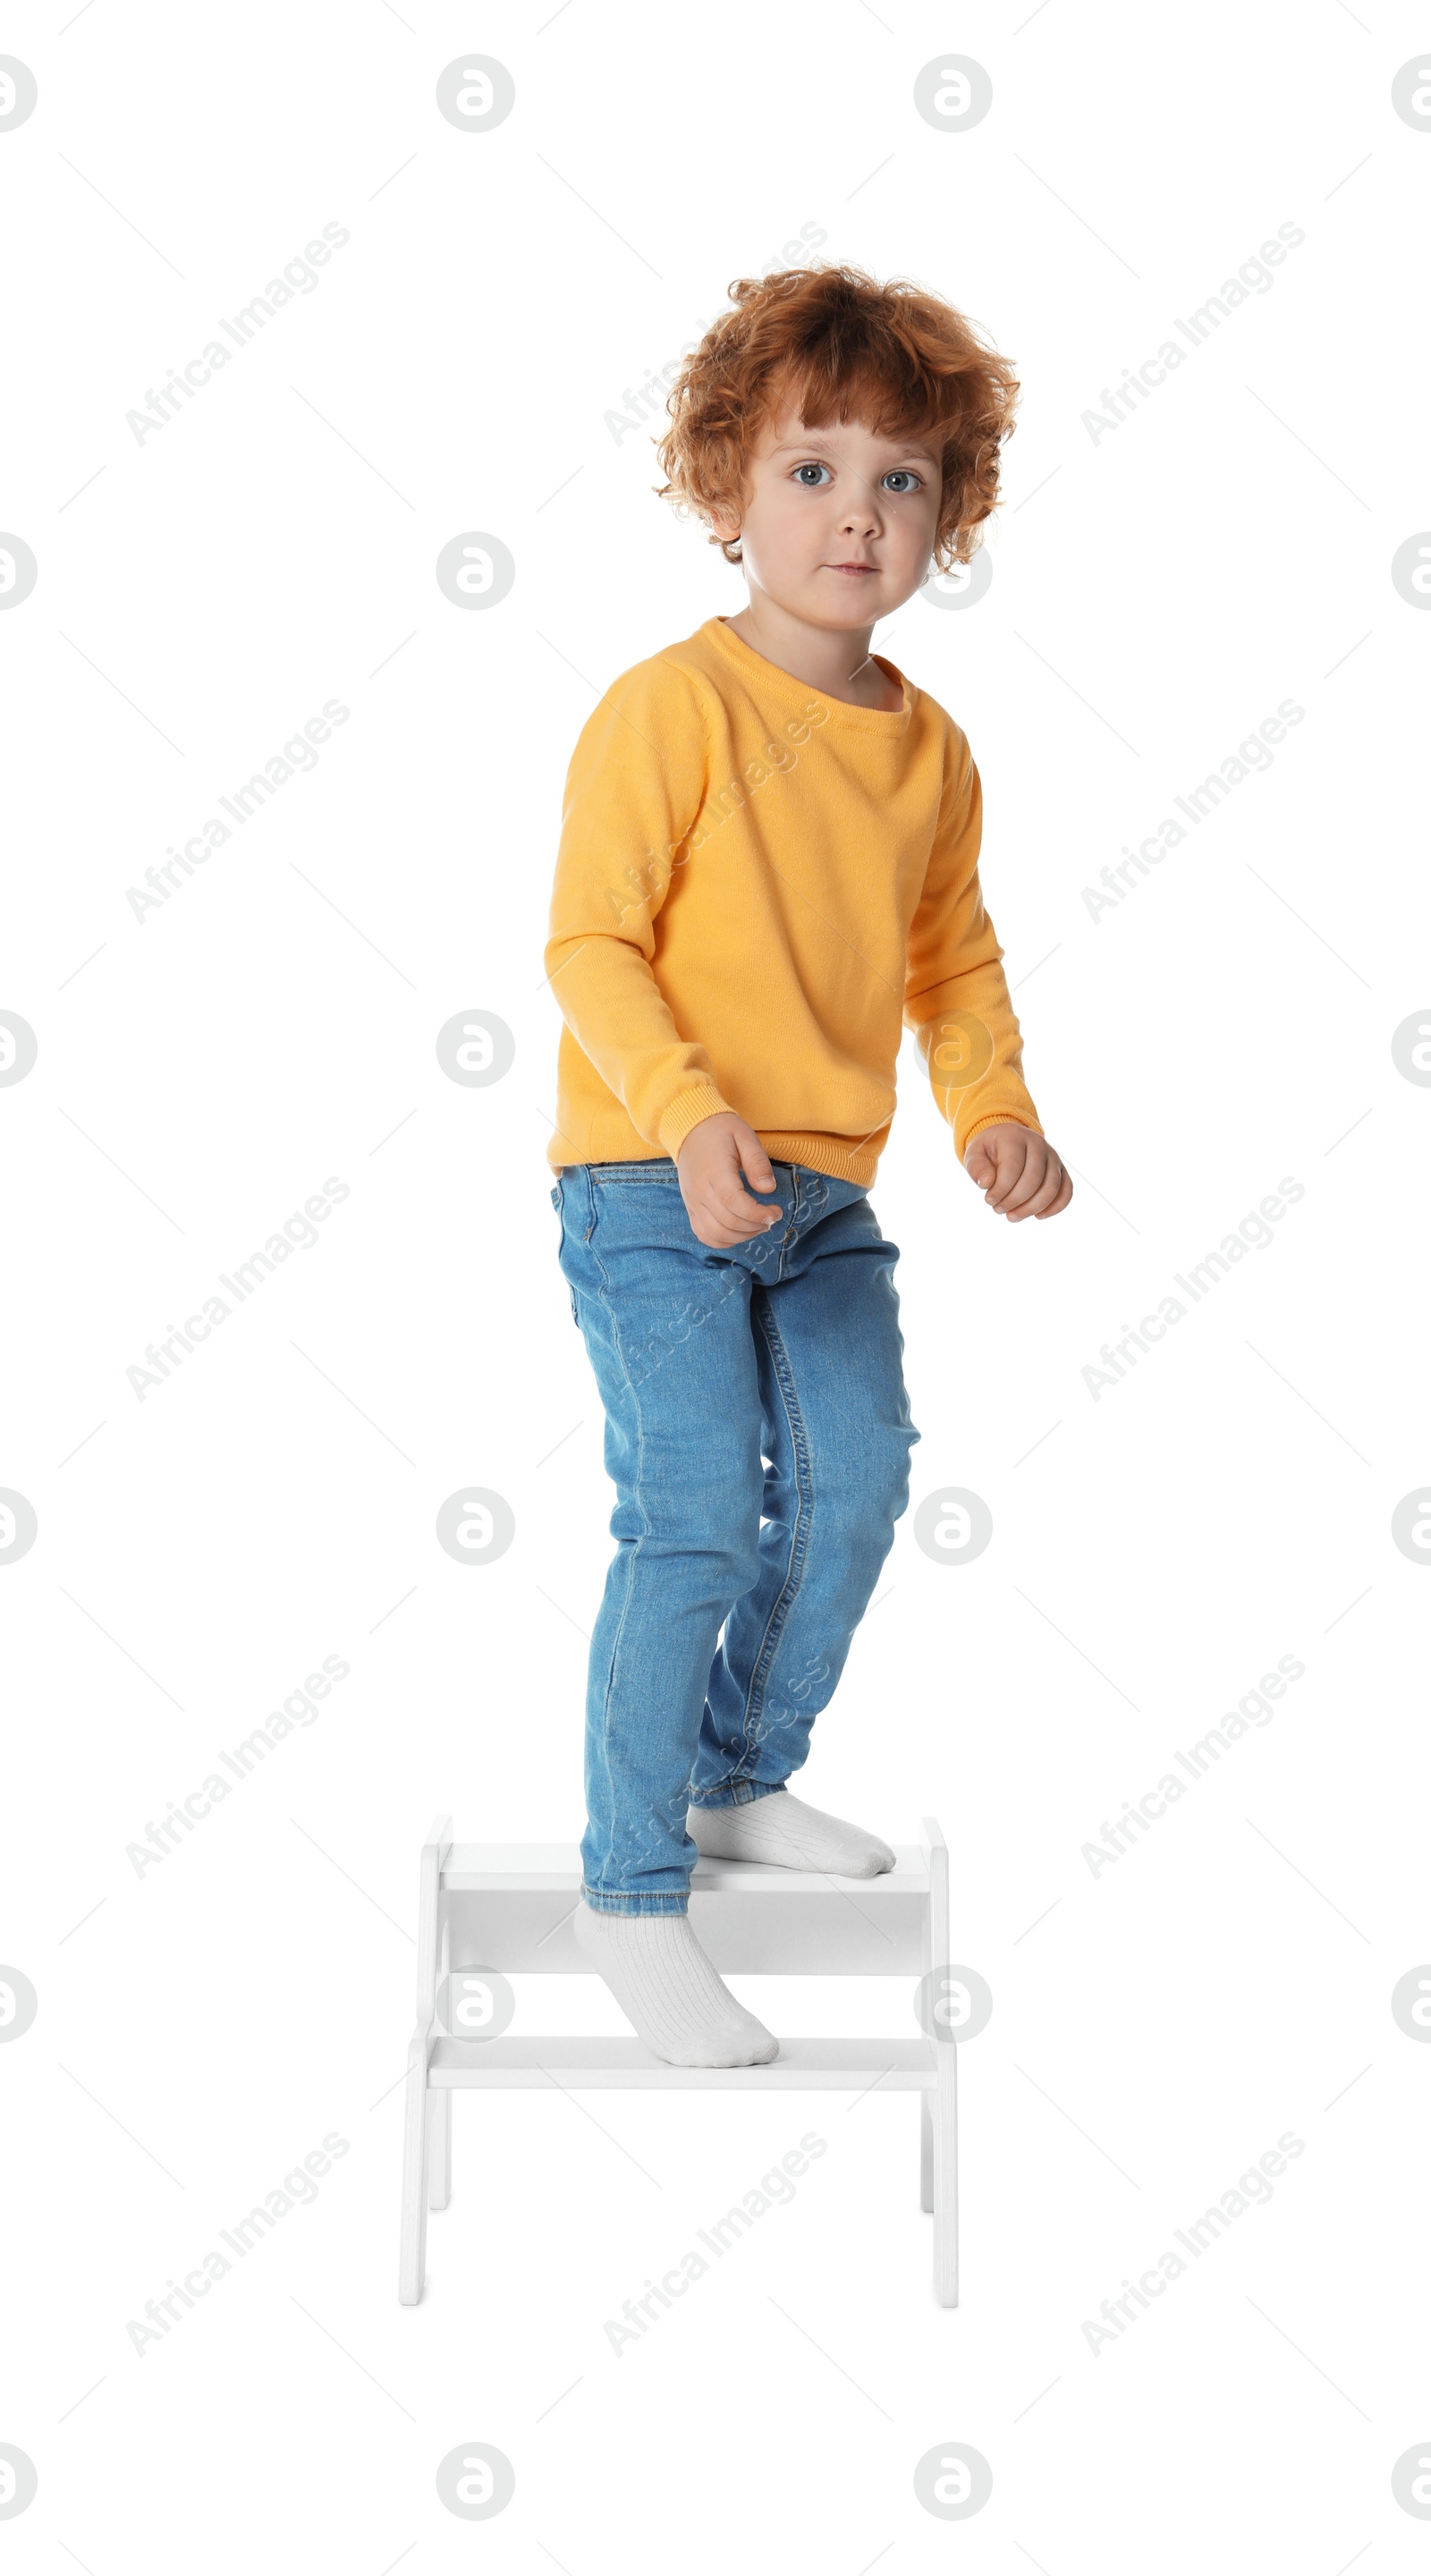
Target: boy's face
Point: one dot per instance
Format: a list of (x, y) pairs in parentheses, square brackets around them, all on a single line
[(821, 500)]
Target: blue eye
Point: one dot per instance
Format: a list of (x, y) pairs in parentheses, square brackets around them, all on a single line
[(904, 474)]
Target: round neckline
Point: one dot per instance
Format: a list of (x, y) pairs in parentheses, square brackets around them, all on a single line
[(892, 720)]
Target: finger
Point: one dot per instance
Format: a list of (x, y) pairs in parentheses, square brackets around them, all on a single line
[(754, 1162), (740, 1218), (1049, 1190), (1064, 1195), (725, 1238), (1030, 1181), (706, 1225), (727, 1191), (736, 1206), (1039, 1185), (1011, 1155), (1054, 1190), (711, 1213), (734, 1159)]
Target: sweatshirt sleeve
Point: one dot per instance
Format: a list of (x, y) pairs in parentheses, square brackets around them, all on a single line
[(955, 998), (634, 788)]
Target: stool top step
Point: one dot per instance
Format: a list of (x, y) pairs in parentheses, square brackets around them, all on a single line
[(524, 1869)]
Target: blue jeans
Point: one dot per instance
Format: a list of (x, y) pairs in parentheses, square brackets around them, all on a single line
[(786, 1347)]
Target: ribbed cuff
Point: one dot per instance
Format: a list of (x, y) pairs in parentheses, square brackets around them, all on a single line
[(686, 1111), (997, 1118)]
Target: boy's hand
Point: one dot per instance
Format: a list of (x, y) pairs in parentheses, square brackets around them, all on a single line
[(1018, 1171), (709, 1167)]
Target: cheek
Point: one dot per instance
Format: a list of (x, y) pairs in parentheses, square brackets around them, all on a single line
[(928, 517), (909, 544), (782, 532)]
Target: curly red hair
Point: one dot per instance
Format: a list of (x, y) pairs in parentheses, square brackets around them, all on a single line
[(830, 343)]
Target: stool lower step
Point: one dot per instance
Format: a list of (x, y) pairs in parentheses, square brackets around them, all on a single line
[(601, 2064)]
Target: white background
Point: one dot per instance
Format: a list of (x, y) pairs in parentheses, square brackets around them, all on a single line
[(1156, 594)]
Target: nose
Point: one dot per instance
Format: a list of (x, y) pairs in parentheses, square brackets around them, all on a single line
[(861, 513)]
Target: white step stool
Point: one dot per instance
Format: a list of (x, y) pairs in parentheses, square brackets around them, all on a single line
[(508, 1907)]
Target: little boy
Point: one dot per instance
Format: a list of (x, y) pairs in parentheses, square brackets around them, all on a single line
[(768, 867)]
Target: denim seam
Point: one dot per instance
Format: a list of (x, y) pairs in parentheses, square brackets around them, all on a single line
[(804, 1513), (757, 1788), (665, 1175), (641, 1505), (617, 1900), (561, 1247)]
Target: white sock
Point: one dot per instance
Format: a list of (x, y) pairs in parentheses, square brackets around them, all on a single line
[(782, 1830), (669, 1991)]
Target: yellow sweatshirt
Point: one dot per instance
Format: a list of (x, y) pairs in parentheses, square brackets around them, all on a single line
[(756, 888)]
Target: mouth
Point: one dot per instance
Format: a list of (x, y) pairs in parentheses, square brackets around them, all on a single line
[(852, 567)]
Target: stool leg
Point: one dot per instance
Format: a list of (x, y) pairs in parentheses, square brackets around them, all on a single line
[(943, 2104), (945, 2124), (439, 2150), (413, 2254), (926, 2153)]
